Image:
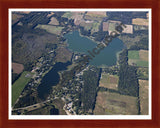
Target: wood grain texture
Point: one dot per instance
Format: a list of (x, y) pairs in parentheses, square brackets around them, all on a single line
[(6, 4)]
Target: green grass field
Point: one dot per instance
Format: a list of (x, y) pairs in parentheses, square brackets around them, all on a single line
[(134, 59), (19, 85), (51, 29), (133, 54), (142, 63)]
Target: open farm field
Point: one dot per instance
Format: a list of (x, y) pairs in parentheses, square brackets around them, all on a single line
[(19, 85), (108, 103), (128, 29), (143, 55), (138, 58), (17, 68), (87, 26), (53, 21), (51, 29), (109, 81), (73, 15), (105, 26), (140, 21), (96, 14), (144, 94), (133, 54)]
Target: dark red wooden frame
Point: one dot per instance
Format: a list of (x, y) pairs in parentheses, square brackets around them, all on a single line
[(6, 4)]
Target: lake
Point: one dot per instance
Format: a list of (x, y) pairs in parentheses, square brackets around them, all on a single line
[(50, 79), (82, 44)]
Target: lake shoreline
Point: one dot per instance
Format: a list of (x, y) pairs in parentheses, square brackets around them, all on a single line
[(78, 43)]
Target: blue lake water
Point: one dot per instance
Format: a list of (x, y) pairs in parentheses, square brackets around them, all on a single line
[(107, 56), (50, 79)]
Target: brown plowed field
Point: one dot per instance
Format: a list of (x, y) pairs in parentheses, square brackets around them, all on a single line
[(17, 68)]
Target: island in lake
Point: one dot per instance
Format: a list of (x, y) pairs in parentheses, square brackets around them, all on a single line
[(48, 47)]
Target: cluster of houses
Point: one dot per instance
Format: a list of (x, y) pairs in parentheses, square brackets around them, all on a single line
[(40, 68), (68, 109)]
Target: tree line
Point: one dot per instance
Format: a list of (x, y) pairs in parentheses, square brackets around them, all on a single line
[(128, 81)]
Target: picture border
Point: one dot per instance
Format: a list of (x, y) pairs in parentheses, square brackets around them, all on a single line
[(4, 119), (99, 117)]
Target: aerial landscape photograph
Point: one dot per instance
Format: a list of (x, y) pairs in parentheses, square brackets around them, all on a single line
[(79, 62)]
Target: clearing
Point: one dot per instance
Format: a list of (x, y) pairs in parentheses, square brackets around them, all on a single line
[(98, 16), (140, 21), (112, 25), (53, 21), (105, 26), (109, 81), (128, 29), (51, 29), (17, 68), (108, 103), (143, 55)]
